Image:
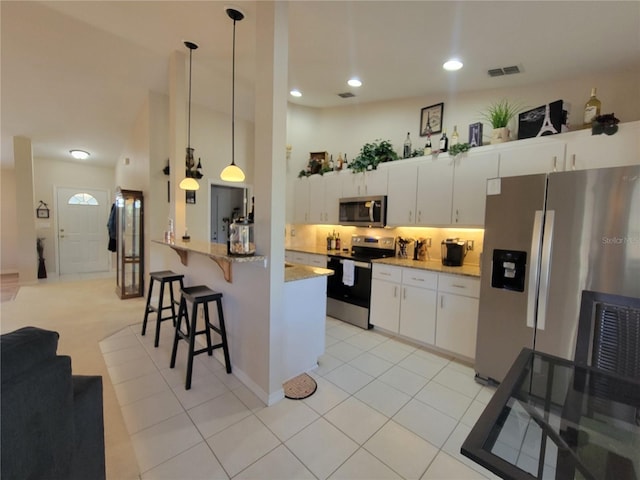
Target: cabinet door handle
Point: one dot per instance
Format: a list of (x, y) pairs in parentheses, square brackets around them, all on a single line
[(419, 216), (573, 161), (386, 274), (555, 163), (417, 279), (404, 293), (409, 215), (395, 292), (441, 301), (458, 286), (457, 215)]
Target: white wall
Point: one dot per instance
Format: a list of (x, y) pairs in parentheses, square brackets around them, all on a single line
[(8, 222), (346, 129)]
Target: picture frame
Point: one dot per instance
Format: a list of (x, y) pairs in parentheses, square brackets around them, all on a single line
[(42, 211), (190, 196), (432, 114), (475, 134)]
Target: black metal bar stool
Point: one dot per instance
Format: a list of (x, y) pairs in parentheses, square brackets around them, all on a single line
[(164, 277), (199, 295)]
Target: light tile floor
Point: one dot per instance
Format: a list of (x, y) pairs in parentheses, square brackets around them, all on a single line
[(383, 409)]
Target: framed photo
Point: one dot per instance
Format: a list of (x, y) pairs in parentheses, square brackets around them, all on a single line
[(190, 196), (475, 134), (431, 117), (42, 211)]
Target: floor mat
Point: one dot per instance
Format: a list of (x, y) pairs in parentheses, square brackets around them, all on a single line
[(300, 387)]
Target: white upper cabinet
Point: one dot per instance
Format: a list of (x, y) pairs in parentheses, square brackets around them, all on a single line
[(469, 186), (362, 184), (301, 200), (596, 151), (324, 194), (535, 157), (435, 191), (402, 183)]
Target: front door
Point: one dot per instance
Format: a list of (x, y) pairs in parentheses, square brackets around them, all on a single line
[(82, 230)]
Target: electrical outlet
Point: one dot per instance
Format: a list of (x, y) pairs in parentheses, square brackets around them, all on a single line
[(293, 232), (428, 241), (469, 244)]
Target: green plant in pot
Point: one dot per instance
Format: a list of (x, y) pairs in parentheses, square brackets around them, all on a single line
[(499, 114), (371, 154)]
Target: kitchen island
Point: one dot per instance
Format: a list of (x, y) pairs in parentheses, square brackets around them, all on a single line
[(269, 343)]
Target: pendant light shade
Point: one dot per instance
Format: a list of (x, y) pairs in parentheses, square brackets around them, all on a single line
[(233, 173), (189, 182)]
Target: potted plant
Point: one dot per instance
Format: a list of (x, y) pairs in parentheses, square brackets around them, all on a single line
[(499, 114), (371, 154)]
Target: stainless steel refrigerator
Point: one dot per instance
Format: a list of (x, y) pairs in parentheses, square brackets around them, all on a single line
[(547, 238)]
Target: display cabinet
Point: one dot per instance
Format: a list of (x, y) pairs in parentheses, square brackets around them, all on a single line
[(130, 243)]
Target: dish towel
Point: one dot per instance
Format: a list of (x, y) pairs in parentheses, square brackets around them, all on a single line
[(348, 272)]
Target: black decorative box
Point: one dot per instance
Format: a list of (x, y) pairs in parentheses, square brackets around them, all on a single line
[(547, 119)]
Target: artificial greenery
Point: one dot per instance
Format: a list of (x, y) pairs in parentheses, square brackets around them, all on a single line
[(371, 154), (606, 123), (459, 148), (499, 114)]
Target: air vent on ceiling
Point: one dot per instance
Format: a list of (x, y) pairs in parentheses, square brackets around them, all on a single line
[(497, 72), (346, 95)]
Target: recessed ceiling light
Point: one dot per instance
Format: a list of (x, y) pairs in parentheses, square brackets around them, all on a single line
[(79, 154), (295, 93), (452, 65), (354, 82)]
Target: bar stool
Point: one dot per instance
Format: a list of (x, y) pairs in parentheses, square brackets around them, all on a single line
[(199, 295), (164, 277)]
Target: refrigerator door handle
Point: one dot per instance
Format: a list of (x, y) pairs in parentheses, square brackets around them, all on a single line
[(536, 240), (545, 267)]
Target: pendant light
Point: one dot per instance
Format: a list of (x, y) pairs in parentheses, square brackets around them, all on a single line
[(233, 173), (189, 182)]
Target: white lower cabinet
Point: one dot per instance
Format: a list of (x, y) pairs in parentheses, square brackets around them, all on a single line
[(457, 314), (428, 307), (302, 258)]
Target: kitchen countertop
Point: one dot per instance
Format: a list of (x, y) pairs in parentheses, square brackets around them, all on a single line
[(294, 272), (433, 265)]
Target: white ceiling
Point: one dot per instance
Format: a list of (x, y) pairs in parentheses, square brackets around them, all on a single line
[(75, 73)]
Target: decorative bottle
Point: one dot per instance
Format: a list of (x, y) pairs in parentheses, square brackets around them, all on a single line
[(591, 109), (454, 136), (407, 147), (444, 141), (427, 146), (340, 162)]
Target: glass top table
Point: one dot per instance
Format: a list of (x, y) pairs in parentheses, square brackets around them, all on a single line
[(553, 419)]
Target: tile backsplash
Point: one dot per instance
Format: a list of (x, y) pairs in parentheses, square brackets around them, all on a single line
[(299, 235)]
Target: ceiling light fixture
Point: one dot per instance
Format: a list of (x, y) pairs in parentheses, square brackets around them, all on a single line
[(354, 82), (452, 65), (295, 93), (79, 154), (233, 173), (190, 182)]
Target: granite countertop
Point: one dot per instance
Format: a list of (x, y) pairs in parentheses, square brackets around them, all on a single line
[(213, 250), (433, 265), (294, 272)]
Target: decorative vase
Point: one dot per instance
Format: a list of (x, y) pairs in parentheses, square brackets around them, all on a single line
[(499, 135), (42, 270)]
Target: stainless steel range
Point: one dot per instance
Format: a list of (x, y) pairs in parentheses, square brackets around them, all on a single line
[(349, 288)]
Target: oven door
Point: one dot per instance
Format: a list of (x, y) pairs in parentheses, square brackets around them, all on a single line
[(359, 293)]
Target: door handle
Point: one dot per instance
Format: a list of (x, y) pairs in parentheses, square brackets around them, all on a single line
[(404, 293), (395, 291), (545, 267), (536, 243)]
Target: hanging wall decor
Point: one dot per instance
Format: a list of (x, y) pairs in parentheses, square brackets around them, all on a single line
[(42, 211)]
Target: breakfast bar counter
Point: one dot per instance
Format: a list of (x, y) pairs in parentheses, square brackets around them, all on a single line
[(215, 251)]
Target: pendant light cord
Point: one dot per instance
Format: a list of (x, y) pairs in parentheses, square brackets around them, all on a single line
[(189, 118), (233, 98)]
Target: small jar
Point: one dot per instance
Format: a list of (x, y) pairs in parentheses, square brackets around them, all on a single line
[(241, 241)]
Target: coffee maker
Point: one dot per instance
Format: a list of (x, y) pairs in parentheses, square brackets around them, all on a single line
[(453, 252)]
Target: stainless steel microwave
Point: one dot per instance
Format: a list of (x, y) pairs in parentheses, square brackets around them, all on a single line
[(364, 211)]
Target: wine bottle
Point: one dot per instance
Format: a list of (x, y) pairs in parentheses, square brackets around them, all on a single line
[(454, 136), (591, 108), (331, 164), (444, 141), (340, 162), (407, 147), (427, 146)]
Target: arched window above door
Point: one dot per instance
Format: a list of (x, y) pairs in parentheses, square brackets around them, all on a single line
[(83, 199)]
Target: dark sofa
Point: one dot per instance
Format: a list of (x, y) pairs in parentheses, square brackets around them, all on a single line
[(51, 421)]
